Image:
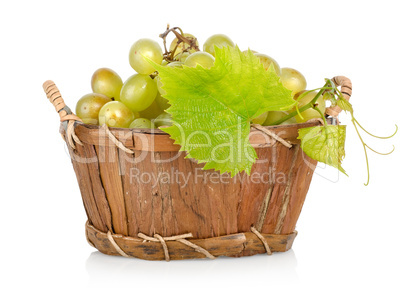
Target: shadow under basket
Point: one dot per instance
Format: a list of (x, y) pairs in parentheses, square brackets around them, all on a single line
[(144, 199)]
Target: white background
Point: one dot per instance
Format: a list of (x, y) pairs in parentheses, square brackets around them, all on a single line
[(349, 243)]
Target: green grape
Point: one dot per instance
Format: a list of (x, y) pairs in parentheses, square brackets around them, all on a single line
[(107, 82), (266, 62), (219, 40), (148, 48), (159, 85), (181, 57), (178, 64), (152, 111), (88, 107), (174, 64), (138, 92), (246, 51), (260, 119), (310, 113), (116, 114), (293, 80), (164, 119), (162, 102), (274, 116), (141, 123), (204, 59), (182, 47), (290, 121)]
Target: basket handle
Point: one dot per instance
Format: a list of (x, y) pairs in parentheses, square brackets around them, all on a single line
[(54, 96), (67, 117), (346, 90)]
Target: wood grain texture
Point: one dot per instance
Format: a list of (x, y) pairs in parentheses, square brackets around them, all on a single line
[(234, 245), (157, 190), (157, 140), (89, 197), (109, 168), (97, 187)]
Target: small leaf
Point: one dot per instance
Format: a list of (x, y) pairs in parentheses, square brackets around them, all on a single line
[(212, 108), (330, 96), (325, 144), (345, 105)]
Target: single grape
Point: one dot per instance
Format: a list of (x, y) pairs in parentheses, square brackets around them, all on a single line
[(141, 123), (138, 92), (290, 121), (182, 47), (159, 85), (148, 48), (266, 62), (204, 59), (162, 102), (260, 119), (293, 80), (274, 116), (219, 40), (164, 119), (116, 114), (246, 51), (107, 82), (181, 57), (174, 64), (310, 113), (88, 107), (152, 111)]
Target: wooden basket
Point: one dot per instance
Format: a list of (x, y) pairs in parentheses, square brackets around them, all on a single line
[(144, 199)]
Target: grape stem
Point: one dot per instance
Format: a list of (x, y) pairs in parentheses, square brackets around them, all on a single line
[(310, 104), (192, 42), (322, 115)]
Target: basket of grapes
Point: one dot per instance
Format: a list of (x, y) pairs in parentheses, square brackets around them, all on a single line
[(199, 154)]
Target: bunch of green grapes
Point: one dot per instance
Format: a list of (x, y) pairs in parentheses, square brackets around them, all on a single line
[(129, 104), (139, 101)]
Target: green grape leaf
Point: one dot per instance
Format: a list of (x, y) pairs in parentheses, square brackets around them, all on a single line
[(325, 144), (212, 108), (345, 105), (330, 96)]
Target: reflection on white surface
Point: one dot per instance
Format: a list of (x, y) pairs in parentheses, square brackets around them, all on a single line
[(277, 268)]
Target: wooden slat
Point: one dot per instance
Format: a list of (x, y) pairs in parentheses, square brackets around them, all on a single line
[(97, 187), (282, 160), (78, 159), (304, 168), (132, 192), (255, 190), (287, 191), (110, 174)]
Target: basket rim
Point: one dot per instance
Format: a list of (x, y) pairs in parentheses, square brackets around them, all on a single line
[(155, 140), (160, 132)]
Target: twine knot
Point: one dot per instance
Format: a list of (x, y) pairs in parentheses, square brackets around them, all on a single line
[(178, 238), (263, 240), (162, 240)]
